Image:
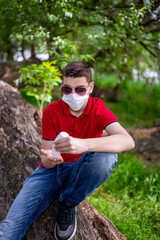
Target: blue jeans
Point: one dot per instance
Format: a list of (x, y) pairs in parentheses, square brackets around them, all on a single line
[(70, 182)]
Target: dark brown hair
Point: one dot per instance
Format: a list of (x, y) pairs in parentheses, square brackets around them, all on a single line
[(77, 69)]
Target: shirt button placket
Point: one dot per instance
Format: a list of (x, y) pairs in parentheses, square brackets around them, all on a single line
[(76, 126)]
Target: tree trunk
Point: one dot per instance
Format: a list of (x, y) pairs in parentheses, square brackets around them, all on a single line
[(20, 141), (109, 94), (9, 50)]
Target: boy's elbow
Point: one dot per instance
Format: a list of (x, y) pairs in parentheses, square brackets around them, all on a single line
[(131, 143)]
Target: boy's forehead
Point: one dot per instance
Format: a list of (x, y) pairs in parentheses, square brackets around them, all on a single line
[(75, 81)]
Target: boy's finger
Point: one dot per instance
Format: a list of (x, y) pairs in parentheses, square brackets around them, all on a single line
[(58, 160), (44, 152)]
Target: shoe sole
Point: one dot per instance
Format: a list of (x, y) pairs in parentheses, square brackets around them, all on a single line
[(74, 232)]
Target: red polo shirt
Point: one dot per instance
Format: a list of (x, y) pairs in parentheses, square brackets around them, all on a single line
[(57, 118)]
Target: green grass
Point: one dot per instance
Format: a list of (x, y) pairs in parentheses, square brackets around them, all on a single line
[(138, 103), (130, 198)]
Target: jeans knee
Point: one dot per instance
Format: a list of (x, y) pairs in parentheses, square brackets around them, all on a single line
[(104, 163), (108, 161)]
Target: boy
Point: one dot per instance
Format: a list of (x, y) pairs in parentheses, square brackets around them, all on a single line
[(86, 161)]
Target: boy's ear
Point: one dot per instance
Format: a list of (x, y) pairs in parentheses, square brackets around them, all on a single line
[(62, 82), (91, 87)]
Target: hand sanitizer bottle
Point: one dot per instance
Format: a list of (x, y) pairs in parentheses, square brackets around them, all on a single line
[(60, 135)]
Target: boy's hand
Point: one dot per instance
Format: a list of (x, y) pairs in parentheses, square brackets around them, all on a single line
[(70, 145), (48, 160)]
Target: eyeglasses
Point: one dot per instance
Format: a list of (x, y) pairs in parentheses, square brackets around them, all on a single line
[(79, 90)]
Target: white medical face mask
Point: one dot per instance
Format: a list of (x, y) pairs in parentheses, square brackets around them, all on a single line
[(75, 101)]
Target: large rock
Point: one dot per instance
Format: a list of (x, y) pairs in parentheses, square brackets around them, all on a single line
[(147, 139), (20, 141)]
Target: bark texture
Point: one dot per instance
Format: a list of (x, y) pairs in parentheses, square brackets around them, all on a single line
[(20, 141)]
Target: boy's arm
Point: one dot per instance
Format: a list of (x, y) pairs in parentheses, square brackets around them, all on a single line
[(118, 140), (46, 158)]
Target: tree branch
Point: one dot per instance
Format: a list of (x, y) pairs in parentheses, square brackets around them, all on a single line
[(151, 22), (147, 48)]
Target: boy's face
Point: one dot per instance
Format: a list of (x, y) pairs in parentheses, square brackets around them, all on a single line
[(78, 82)]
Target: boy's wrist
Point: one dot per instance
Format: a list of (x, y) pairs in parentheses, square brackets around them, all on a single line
[(88, 145)]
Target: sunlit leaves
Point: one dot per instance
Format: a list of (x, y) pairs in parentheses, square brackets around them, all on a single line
[(40, 80)]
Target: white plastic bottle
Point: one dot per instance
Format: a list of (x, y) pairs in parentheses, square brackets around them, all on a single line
[(60, 135)]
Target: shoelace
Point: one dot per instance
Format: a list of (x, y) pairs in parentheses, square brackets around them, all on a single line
[(65, 215)]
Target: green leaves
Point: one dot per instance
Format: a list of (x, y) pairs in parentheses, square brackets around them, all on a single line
[(40, 81), (116, 34), (45, 73), (65, 45)]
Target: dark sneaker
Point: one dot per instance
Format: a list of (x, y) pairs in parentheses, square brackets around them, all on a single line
[(66, 225)]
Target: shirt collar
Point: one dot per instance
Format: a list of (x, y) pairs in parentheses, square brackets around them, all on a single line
[(87, 110)]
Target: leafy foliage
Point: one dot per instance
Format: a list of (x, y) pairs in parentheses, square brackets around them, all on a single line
[(117, 34), (40, 81)]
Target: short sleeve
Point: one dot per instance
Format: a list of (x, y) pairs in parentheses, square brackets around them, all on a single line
[(48, 127), (106, 117)]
